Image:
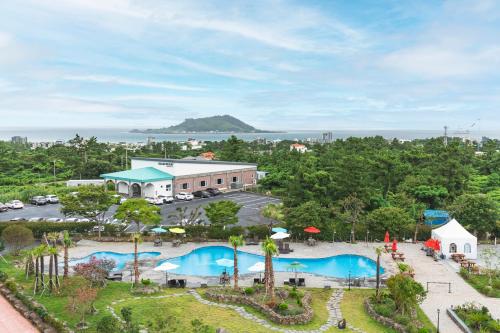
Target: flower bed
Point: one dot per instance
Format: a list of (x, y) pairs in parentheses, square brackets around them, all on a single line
[(278, 313), (477, 318)]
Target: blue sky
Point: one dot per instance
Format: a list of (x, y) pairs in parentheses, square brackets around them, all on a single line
[(274, 64)]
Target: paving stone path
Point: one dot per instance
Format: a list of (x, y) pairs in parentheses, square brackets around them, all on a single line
[(333, 307)]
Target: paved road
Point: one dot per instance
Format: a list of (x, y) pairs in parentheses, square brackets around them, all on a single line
[(12, 321), (248, 215)]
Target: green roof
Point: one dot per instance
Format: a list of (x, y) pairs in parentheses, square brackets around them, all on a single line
[(142, 175)]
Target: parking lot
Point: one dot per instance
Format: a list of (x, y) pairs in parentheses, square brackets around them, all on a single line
[(249, 213)]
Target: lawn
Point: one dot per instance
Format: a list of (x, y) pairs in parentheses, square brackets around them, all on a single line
[(480, 283)]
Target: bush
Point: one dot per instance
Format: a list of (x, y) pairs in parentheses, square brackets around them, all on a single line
[(11, 285), (403, 320), (3, 276), (2, 247), (384, 310), (249, 291), (17, 237), (39, 228), (283, 306), (108, 324), (145, 282)]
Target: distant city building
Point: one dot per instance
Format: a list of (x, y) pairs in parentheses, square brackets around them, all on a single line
[(20, 140), (261, 174), (151, 140), (192, 144), (298, 147), (327, 137), (208, 155)]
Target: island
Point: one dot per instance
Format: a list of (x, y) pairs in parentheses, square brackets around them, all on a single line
[(214, 124)]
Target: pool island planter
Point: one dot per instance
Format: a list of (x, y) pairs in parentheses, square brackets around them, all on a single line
[(303, 318), (388, 322)]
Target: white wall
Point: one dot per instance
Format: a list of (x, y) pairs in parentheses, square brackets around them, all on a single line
[(122, 187), (184, 169), (163, 187)]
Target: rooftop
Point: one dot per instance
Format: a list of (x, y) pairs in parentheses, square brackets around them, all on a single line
[(148, 174)]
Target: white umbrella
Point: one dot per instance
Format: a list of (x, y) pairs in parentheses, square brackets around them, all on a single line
[(257, 267), (165, 267), (280, 235)]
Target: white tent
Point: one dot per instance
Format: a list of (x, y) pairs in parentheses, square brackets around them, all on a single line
[(455, 239)]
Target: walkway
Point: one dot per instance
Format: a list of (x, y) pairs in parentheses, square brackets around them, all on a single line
[(12, 321), (333, 306), (426, 269)]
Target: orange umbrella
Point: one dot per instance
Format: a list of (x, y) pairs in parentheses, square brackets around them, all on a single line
[(387, 239), (312, 230), (394, 245), (437, 245)]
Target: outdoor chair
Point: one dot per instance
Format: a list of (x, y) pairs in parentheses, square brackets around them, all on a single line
[(157, 242), (182, 283), (256, 281), (172, 283), (287, 248), (284, 249), (302, 282), (252, 241), (292, 281)]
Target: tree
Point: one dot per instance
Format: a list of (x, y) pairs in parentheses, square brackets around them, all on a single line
[(353, 208), (51, 239), (223, 212), (490, 258), (476, 212), (236, 241), (274, 212), (233, 149), (108, 324), (85, 298), (137, 211), (269, 248), (406, 293), (92, 202), (95, 271), (378, 251), (393, 219), (307, 214), (185, 218), (67, 242), (17, 237)]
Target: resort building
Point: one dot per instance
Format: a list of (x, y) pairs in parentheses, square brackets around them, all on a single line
[(298, 147), (153, 177)]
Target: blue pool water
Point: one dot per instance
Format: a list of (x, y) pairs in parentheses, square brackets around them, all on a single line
[(120, 259), (202, 262)]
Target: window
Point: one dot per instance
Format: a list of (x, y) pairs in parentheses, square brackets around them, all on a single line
[(453, 248), (168, 187), (220, 181), (467, 248), (235, 179), (184, 186), (203, 183)]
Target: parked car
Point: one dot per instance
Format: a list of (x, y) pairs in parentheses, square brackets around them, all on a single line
[(97, 227), (154, 201), (38, 200), (71, 219), (184, 196), (18, 219), (14, 204), (201, 194), (52, 199), (35, 219), (55, 219), (3, 208), (166, 199), (83, 220), (213, 191), (122, 200)]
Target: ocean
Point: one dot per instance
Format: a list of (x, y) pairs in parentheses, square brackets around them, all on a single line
[(114, 135)]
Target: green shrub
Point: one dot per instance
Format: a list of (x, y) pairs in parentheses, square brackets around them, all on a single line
[(299, 302), (146, 282), (3, 276), (17, 237), (283, 306), (39, 228), (11, 285), (108, 324), (249, 291), (383, 310), (403, 320), (2, 247)]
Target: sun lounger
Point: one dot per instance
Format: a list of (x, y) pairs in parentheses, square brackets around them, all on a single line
[(287, 247), (252, 241), (284, 249)]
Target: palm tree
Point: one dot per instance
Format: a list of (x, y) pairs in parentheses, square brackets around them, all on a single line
[(52, 238), (29, 265), (66, 239), (270, 249), (39, 254), (136, 238), (378, 250), (236, 241)]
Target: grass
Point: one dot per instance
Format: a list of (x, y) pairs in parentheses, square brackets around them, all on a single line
[(480, 283)]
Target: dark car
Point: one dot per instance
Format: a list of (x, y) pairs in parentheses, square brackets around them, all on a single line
[(213, 191), (38, 200), (201, 194)]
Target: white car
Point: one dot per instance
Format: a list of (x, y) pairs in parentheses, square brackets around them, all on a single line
[(51, 198), (184, 196), (54, 219), (122, 200), (166, 199), (83, 220), (154, 201), (97, 227), (14, 204), (35, 219), (71, 219)]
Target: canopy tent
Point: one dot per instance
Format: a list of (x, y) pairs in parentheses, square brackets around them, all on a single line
[(436, 217), (454, 238)]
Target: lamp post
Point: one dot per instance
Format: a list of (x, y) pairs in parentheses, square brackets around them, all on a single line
[(334, 232), (438, 311), (350, 281), (352, 236)]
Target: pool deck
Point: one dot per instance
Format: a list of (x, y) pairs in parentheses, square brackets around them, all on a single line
[(301, 250)]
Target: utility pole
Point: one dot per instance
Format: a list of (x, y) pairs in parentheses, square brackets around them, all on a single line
[(126, 158), (54, 169), (445, 136)]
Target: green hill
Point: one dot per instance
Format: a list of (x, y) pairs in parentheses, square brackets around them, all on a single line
[(217, 124)]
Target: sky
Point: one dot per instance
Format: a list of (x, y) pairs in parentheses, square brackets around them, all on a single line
[(281, 65)]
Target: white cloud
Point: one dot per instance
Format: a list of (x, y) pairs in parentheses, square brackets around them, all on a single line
[(130, 82)]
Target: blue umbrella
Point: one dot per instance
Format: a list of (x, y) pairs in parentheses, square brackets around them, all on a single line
[(159, 230), (279, 230)]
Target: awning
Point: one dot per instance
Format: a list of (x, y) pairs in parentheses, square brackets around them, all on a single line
[(140, 175)]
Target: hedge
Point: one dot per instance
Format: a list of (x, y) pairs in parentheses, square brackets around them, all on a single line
[(39, 228)]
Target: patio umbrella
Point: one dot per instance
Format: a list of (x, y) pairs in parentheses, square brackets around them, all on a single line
[(257, 267), (279, 229), (295, 266), (312, 230), (437, 245), (158, 230), (165, 267), (280, 235), (177, 230), (394, 245), (387, 239)]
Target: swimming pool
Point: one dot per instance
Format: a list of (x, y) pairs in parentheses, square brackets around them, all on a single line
[(120, 259), (202, 262)]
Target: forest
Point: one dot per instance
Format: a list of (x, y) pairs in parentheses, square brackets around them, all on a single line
[(357, 187)]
